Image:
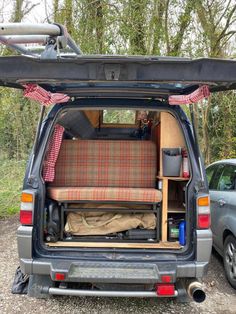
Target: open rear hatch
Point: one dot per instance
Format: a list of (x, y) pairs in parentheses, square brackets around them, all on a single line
[(58, 64), (115, 76)]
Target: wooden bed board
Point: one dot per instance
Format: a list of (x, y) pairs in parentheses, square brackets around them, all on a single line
[(160, 245)]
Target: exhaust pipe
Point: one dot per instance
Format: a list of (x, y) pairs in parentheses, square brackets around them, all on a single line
[(196, 292)]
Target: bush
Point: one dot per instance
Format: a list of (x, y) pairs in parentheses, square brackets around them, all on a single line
[(11, 178)]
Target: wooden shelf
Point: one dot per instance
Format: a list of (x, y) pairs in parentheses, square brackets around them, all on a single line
[(173, 178), (160, 245), (175, 207)]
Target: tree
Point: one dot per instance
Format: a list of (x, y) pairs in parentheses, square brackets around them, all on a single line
[(216, 19), (174, 43), (136, 24), (157, 27), (21, 9), (18, 116)]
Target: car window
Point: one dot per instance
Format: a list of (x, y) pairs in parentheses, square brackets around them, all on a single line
[(227, 179), (209, 172), (216, 177)]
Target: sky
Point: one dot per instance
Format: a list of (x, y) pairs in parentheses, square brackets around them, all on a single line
[(37, 15)]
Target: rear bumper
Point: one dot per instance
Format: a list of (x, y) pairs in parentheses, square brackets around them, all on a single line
[(112, 271)]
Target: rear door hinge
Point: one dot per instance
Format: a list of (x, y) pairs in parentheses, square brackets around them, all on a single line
[(33, 182)]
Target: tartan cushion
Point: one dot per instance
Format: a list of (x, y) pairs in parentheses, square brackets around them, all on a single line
[(105, 194), (106, 163)]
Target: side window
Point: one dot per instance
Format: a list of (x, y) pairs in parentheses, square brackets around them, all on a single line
[(209, 172), (227, 179), (216, 177)]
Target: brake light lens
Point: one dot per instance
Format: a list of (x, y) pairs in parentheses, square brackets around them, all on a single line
[(163, 289), (204, 221), (26, 217), (203, 212), (27, 207), (59, 276)]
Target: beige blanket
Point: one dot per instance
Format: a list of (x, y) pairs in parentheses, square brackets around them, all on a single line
[(102, 223)]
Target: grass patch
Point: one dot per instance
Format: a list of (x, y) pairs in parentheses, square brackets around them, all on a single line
[(11, 178)]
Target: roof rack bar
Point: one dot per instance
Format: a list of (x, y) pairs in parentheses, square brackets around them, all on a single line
[(70, 41), (29, 29), (37, 39), (73, 46), (18, 48), (22, 39), (12, 34)]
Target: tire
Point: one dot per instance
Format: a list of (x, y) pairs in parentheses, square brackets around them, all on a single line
[(230, 260)]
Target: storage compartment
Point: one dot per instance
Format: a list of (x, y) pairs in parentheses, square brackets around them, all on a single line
[(173, 202), (103, 222), (176, 195), (176, 232)]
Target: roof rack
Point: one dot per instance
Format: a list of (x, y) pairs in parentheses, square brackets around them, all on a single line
[(51, 37)]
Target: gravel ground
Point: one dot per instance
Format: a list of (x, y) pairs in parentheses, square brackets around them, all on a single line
[(221, 298)]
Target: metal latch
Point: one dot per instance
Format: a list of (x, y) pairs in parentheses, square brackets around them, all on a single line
[(112, 72)]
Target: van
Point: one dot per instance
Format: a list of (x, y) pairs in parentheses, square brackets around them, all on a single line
[(115, 199)]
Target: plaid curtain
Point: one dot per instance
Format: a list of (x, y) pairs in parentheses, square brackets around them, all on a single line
[(41, 95), (199, 94), (52, 154)]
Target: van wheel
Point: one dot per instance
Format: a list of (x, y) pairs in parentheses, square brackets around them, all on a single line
[(230, 259)]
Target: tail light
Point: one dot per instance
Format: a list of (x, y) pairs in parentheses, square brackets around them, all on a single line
[(27, 207), (165, 289), (203, 212)]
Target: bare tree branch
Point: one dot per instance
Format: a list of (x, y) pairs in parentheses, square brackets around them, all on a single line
[(223, 14), (27, 10), (228, 21)]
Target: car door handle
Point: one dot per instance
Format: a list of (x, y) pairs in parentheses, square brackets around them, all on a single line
[(221, 202)]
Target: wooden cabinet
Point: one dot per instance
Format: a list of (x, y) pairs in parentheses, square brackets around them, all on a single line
[(171, 136)]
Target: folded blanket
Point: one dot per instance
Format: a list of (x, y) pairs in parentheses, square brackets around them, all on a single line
[(103, 223)]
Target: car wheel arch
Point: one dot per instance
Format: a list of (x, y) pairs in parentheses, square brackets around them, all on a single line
[(226, 233)]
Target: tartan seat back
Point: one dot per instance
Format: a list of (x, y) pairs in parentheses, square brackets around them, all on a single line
[(106, 163)]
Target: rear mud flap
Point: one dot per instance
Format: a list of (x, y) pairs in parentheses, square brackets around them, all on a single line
[(20, 283)]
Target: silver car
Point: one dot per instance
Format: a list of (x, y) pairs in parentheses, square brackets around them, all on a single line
[(222, 184)]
